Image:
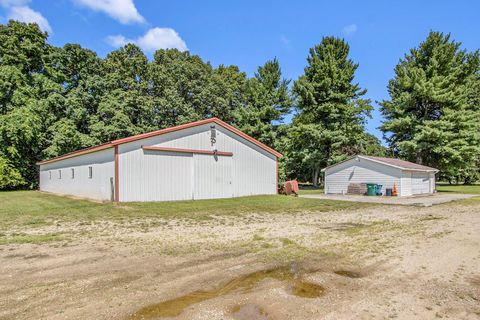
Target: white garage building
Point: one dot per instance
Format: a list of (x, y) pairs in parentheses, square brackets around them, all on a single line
[(200, 160), (410, 178)]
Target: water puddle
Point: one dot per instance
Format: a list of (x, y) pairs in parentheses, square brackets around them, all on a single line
[(249, 311), (174, 307), (348, 274)]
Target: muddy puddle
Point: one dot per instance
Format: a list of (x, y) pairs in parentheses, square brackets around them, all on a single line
[(348, 274), (289, 275)]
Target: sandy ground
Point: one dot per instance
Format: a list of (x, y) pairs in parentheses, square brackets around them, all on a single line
[(410, 263), (422, 200)]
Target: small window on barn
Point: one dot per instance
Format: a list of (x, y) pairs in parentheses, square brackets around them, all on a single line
[(73, 173), (59, 174), (90, 172)]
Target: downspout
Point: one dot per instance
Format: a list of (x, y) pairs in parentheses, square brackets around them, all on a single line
[(276, 175), (117, 193)]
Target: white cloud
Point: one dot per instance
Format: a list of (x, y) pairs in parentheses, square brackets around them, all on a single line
[(153, 39), (350, 29), (26, 14), (284, 40), (117, 41), (123, 11), (13, 3)]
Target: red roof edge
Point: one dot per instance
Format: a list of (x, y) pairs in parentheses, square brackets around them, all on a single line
[(78, 153), (160, 132)]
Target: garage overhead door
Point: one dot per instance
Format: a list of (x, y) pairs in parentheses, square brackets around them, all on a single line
[(212, 176), (420, 183)]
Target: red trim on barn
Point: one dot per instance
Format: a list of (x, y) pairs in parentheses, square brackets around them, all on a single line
[(276, 176), (220, 153), (160, 132), (117, 191)]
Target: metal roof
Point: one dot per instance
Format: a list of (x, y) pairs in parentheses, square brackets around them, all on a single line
[(160, 132), (392, 162)]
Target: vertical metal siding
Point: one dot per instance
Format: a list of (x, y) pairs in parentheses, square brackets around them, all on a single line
[(421, 182), (253, 169), (98, 187), (406, 184), (162, 167), (213, 177), (433, 187)]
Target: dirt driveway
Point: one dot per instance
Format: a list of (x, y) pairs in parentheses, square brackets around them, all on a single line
[(425, 201), (376, 263)]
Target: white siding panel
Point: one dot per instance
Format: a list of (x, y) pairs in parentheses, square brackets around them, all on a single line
[(420, 182), (338, 178), (161, 179), (99, 187), (253, 169), (406, 184), (212, 177), (433, 187)]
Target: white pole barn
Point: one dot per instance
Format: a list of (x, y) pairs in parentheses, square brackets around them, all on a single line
[(206, 159), (408, 177)]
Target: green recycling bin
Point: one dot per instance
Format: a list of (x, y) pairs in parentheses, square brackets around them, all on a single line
[(371, 189)]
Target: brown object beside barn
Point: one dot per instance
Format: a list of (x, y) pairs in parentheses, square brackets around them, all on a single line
[(357, 188)]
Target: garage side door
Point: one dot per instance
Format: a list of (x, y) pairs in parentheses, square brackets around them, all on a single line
[(420, 183), (212, 176), (168, 176)]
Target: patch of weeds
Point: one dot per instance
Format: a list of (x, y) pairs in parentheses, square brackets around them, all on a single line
[(431, 217), (31, 238), (257, 237), (372, 228), (267, 245), (438, 235), (287, 242)]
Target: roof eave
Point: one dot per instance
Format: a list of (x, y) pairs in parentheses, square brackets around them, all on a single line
[(160, 132), (381, 162)]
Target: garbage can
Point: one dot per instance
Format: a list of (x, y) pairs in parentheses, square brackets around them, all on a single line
[(371, 189), (378, 189), (388, 192)]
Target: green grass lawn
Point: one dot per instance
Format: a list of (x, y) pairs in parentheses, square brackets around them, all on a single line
[(469, 189), (30, 208), (310, 190)]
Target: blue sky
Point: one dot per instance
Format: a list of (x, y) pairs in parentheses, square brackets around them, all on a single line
[(247, 33)]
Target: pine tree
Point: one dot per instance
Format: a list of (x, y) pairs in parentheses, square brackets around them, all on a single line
[(432, 116), (332, 113), (268, 101)]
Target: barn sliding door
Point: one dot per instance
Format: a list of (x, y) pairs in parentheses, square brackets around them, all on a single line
[(212, 176), (167, 176)]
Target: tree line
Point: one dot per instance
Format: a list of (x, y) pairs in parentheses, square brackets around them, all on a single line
[(56, 100)]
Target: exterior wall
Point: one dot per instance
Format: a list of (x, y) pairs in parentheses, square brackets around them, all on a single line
[(158, 176), (355, 170), (99, 187), (421, 183), (433, 186), (406, 184)]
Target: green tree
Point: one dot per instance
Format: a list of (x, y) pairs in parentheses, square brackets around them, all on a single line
[(432, 116), (125, 107), (26, 95), (10, 177), (268, 101), (332, 112)]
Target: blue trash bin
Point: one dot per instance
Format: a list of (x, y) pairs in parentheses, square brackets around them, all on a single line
[(378, 189)]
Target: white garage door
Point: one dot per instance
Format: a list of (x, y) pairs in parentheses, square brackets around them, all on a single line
[(420, 183), (212, 177)]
